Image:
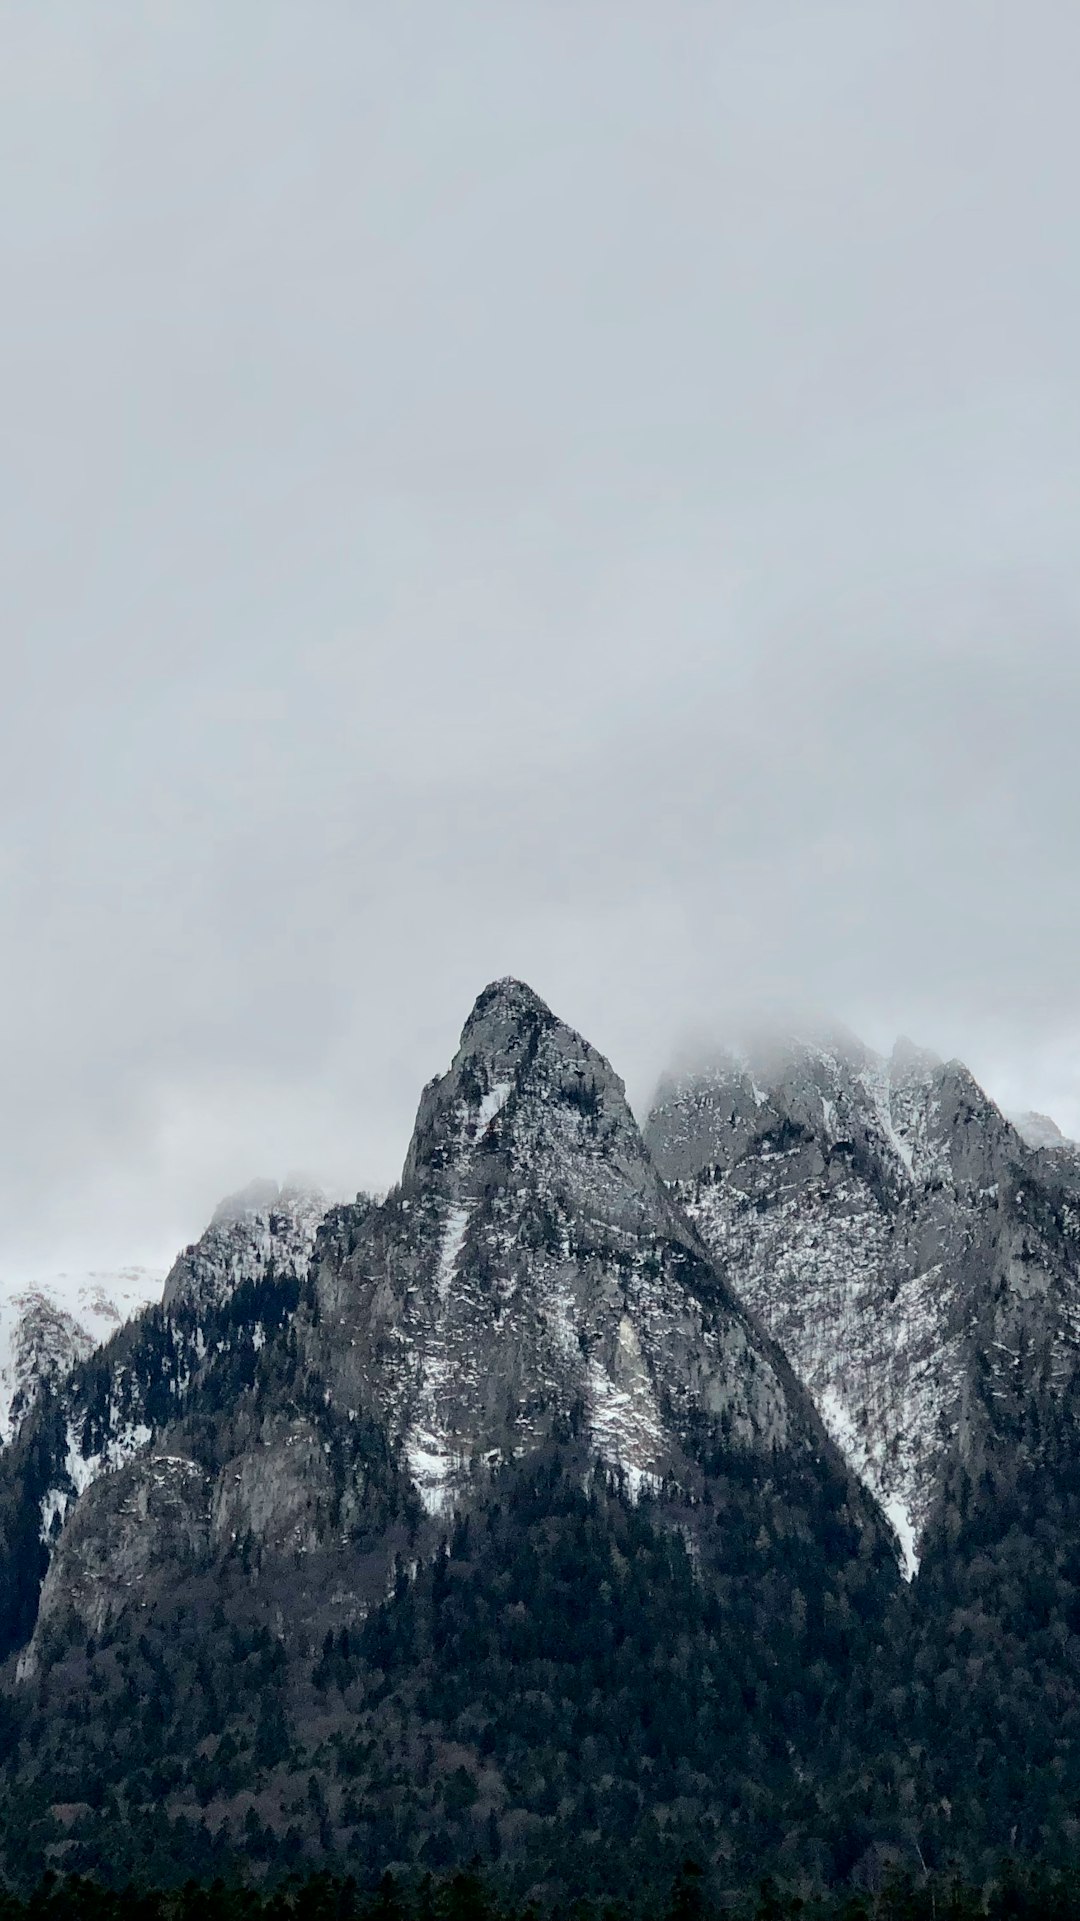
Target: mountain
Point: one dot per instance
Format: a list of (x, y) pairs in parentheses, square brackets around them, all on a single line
[(531, 1265), (502, 1527), (102, 1404), (507, 1530), (914, 1257), (920, 1263), (48, 1326), (261, 1231)]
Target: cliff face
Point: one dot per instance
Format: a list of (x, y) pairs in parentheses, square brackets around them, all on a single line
[(914, 1257)]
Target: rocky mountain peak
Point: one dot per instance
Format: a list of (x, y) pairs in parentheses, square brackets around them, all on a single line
[(910, 1061), (531, 1269), (518, 1073), (503, 1007), (258, 1197)]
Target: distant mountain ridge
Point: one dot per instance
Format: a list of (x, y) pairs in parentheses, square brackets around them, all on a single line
[(48, 1325)]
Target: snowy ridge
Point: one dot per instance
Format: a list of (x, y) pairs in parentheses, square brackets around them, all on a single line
[(50, 1324), (863, 1211)]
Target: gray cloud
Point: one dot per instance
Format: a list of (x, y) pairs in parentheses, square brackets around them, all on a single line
[(586, 492)]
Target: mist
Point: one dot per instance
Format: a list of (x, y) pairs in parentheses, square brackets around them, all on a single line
[(584, 493)]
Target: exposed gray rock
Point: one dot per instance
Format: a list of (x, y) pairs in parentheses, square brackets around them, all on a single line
[(878, 1215), (532, 1279), (262, 1229), (150, 1517), (530, 1270)]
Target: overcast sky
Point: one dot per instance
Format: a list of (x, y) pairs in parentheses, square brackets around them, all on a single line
[(587, 491)]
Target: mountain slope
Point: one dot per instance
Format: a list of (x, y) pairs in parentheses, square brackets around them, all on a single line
[(915, 1259)]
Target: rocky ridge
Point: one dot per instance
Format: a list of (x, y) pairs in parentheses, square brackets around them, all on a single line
[(915, 1259), (225, 1297)]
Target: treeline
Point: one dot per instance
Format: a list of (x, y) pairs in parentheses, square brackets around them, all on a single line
[(1013, 1895)]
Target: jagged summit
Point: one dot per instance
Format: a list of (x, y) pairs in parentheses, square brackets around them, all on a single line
[(512, 1048), (263, 1197), (257, 1197), (507, 1000), (532, 1268), (906, 1113)]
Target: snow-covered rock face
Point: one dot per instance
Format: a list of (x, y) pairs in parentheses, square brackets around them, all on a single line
[(531, 1270), (48, 1326), (872, 1213), (265, 1229)]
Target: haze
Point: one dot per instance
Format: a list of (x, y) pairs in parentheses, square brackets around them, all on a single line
[(587, 492)]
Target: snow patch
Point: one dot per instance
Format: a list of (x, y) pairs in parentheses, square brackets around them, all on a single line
[(623, 1416), (903, 1527), (841, 1428), (50, 1323), (430, 1466), (493, 1103), (453, 1240)]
